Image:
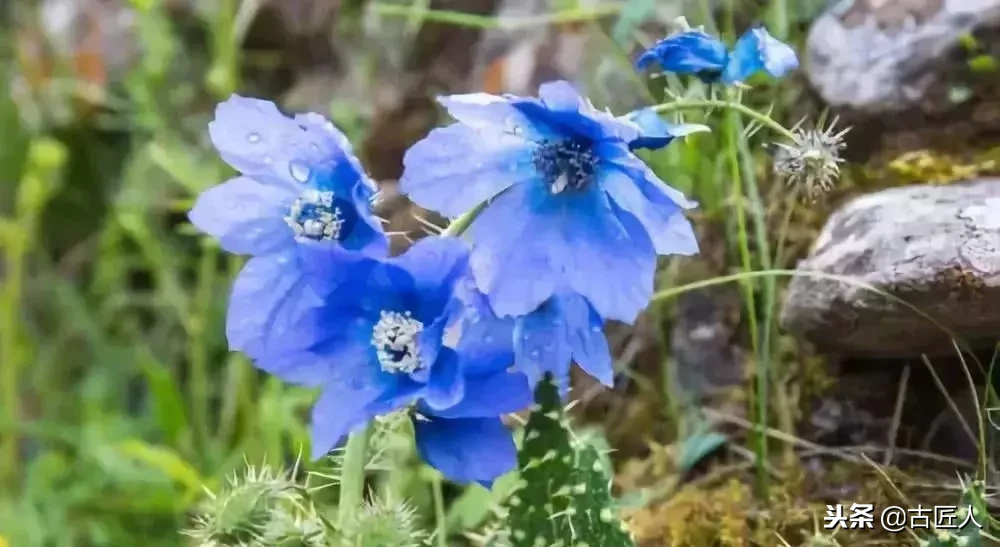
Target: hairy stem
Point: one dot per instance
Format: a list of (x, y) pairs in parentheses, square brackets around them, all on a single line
[(763, 119)]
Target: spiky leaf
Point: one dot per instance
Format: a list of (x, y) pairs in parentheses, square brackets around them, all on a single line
[(563, 495)]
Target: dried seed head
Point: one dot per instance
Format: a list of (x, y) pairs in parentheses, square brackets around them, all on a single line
[(812, 161)]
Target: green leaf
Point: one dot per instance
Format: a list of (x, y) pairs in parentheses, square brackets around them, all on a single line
[(163, 460), (168, 402), (696, 447)]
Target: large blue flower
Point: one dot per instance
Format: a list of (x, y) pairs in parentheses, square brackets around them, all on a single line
[(695, 52), (571, 209), (375, 343), (301, 191)]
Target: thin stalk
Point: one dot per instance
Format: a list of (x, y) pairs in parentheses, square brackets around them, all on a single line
[(10, 358), (352, 476), (474, 20), (758, 401), (440, 522), (199, 390), (703, 104)]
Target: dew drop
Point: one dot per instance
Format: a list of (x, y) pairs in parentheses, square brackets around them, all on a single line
[(253, 138), (488, 339), (299, 171), (268, 160), (534, 354), (314, 147)]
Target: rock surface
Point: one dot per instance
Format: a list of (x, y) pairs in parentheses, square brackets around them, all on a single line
[(872, 60), (935, 247)]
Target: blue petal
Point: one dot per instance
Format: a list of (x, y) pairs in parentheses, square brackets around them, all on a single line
[(267, 297), (486, 342), (437, 265), (756, 50), (562, 330), (247, 217), (259, 141), (341, 409), (527, 243), (466, 450), (689, 52), (493, 113), (446, 385), (659, 208), (586, 338), (654, 132), (456, 168), (541, 345), (491, 395), (563, 107)]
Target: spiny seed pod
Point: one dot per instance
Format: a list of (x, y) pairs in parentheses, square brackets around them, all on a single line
[(382, 523), (242, 513), (563, 496), (812, 161)]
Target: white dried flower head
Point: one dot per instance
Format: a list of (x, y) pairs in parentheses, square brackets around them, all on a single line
[(812, 161)]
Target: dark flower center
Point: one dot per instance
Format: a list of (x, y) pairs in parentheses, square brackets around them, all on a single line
[(566, 165), (395, 340), (320, 216)]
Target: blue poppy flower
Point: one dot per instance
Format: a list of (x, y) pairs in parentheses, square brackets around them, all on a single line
[(301, 190), (376, 342), (695, 52), (571, 208)]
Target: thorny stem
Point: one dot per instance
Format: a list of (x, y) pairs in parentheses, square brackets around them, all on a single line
[(764, 119), (352, 476)]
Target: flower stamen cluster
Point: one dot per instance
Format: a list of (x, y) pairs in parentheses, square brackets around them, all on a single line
[(567, 164), (395, 341), (315, 216)]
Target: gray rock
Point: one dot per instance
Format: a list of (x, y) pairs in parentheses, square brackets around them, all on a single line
[(884, 56), (935, 247)]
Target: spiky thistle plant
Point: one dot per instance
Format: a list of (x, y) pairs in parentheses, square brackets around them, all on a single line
[(563, 496), (262, 506)]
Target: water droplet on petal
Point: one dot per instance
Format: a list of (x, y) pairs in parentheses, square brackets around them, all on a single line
[(268, 160), (597, 329), (299, 171), (488, 339), (314, 147), (534, 354), (253, 138)]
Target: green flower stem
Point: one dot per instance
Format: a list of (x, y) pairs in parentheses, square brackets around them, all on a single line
[(461, 224), (764, 119), (473, 20), (440, 522), (352, 476)]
